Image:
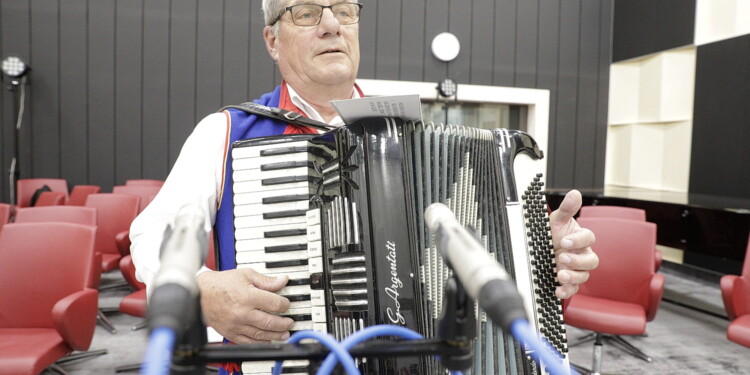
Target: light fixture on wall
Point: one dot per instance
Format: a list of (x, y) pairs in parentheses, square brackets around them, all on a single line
[(15, 69)]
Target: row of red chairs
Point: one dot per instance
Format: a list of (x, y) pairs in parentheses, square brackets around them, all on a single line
[(107, 216)]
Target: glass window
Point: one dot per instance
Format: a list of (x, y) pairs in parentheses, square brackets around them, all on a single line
[(480, 115)]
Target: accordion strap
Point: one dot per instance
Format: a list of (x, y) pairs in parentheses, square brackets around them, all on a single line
[(290, 117)]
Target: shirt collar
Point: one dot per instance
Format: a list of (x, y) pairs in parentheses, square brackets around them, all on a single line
[(310, 111)]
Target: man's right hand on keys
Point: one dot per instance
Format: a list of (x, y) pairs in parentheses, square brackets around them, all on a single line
[(240, 305)]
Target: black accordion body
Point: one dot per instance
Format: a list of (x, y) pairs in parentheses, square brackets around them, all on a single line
[(341, 214)]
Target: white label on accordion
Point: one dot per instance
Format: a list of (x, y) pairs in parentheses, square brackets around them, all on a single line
[(314, 249), (315, 264), (313, 216), (317, 297), (313, 233)]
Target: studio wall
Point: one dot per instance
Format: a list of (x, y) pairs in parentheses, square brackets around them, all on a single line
[(117, 86)]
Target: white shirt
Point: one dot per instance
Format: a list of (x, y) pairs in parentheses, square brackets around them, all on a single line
[(196, 178)]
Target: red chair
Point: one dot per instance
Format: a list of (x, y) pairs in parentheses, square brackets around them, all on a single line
[(735, 290), (146, 193), (144, 182), (50, 198), (115, 212), (631, 213), (624, 292), (4, 214), (79, 193), (44, 319), (26, 187)]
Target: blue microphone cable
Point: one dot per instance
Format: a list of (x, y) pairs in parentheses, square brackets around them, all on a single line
[(540, 350), (159, 352), (336, 349)]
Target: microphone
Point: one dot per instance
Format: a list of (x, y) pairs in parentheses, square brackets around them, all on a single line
[(183, 251), (483, 277)]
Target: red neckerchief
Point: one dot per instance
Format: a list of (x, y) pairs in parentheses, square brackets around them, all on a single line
[(285, 102)]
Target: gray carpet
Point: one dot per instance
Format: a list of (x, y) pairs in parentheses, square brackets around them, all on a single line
[(680, 340)]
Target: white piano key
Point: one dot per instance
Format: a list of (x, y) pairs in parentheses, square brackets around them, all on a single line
[(259, 232), (261, 256), (254, 186), (257, 197), (260, 174), (260, 208), (266, 367), (250, 221), (254, 150), (260, 244), (261, 268)]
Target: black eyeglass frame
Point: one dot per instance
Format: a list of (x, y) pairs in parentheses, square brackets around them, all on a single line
[(323, 8)]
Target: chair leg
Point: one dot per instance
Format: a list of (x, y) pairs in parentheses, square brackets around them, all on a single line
[(583, 339), (630, 348), (596, 366), (128, 368), (57, 369), (103, 321), (81, 355), (142, 324)]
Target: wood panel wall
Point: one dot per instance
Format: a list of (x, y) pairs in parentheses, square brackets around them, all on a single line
[(117, 85)]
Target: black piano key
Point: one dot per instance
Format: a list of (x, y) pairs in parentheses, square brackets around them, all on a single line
[(299, 317), (287, 263), (285, 233), (285, 248), (282, 214), (298, 297), (286, 198), (286, 165), (289, 179), (294, 282), (283, 150), (294, 369)]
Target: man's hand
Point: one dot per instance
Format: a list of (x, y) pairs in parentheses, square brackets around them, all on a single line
[(573, 252), (238, 304)]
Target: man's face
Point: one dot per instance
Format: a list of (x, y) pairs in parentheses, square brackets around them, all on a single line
[(327, 53)]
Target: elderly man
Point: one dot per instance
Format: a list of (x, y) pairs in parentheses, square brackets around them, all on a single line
[(316, 46)]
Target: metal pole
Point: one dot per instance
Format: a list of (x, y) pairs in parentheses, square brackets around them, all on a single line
[(13, 172)]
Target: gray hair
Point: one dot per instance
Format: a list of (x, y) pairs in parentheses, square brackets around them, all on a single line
[(271, 10)]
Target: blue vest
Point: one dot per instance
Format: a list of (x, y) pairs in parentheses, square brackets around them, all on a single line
[(242, 126)]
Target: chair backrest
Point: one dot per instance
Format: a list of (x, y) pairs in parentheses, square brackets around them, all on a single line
[(4, 214), (144, 182), (114, 213), (26, 187), (146, 193), (50, 198), (613, 211), (57, 214), (127, 268), (40, 264), (79, 193), (626, 259)]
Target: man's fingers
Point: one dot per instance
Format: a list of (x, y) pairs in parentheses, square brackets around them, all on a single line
[(269, 283), (268, 301), (581, 238), (566, 291), (570, 277), (568, 208)]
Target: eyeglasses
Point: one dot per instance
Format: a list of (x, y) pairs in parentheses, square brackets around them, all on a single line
[(311, 14)]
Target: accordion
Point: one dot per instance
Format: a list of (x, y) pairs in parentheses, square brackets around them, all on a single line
[(341, 214)]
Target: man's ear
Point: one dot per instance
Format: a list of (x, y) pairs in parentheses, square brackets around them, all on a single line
[(271, 41)]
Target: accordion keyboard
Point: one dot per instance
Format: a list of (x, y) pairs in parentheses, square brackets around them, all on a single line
[(276, 232)]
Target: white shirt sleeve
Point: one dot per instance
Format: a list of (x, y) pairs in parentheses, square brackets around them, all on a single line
[(196, 179)]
